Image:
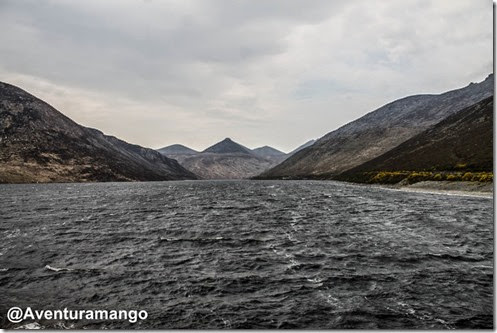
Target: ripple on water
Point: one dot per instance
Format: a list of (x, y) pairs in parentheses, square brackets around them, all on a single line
[(293, 254)]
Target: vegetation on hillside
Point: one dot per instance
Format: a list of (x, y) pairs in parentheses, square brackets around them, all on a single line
[(411, 177)]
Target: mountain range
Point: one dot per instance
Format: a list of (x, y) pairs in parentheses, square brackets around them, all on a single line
[(377, 132), (448, 132), (226, 159), (40, 144)]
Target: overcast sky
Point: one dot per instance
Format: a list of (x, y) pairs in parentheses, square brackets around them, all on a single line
[(263, 72)]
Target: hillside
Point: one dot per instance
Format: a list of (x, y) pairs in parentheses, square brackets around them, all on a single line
[(377, 132), (225, 166), (462, 142), (40, 144)]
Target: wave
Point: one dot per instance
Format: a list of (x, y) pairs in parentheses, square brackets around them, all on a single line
[(56, 269)]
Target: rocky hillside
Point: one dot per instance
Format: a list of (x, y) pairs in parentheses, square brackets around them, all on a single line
[(40, 144), (378, 132), (460, 143), (226, 166)]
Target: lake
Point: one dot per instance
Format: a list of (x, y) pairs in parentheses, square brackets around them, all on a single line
[(248, 254)]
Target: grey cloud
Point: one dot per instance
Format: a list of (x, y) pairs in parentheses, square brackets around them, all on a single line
[(183, 67)]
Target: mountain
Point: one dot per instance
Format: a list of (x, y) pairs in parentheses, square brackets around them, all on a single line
[(271, 154), (267, 151), (462, 141), (40, 144), (177, 150), (223, 160), (226, 159), (377, 132), (228, 146)]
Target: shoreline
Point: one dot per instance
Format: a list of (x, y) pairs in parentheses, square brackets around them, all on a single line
[(460, 188)]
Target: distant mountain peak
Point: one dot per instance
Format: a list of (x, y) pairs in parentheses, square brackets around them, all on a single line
[(267, 151), (177, 149), (228, 146)]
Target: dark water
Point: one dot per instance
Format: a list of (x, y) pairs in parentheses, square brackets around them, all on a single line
[(248, 254)]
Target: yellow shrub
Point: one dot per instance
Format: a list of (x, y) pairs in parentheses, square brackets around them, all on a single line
[(486, 177), (476, 177), (387, 177), (452, 178), (415, 176)]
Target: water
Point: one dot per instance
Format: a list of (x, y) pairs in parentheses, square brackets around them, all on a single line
[(244, 254)]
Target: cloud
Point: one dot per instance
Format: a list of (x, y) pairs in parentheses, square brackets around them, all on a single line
[(265, 72)]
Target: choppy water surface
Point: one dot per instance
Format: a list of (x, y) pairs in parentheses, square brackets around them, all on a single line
[(245, 254)]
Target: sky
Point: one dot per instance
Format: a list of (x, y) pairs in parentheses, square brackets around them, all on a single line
[(262, 72)]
